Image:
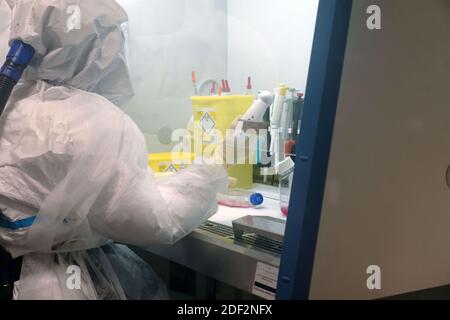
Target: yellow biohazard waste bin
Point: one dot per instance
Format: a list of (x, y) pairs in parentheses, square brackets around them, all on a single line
[(216, 114), (170, 162)]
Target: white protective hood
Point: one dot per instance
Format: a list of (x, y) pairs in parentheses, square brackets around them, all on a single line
[(73, 160), (79, 44)]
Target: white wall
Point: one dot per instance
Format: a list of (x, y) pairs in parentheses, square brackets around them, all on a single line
[(271, 41), (170, 38)]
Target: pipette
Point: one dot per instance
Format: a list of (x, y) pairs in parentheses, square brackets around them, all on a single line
[(276, 149), (255, 114), (194, 83), (213, 88), (227, 86), (249, 86)]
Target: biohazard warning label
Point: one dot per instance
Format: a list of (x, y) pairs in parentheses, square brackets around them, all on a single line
[(171, 168), (207, 123)]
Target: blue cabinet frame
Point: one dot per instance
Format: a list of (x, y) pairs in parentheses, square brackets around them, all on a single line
[(313, 151)]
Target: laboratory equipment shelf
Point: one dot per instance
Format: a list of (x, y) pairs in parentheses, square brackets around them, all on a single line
[(213, 251)]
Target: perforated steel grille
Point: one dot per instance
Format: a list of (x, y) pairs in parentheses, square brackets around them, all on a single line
[(253, 240)]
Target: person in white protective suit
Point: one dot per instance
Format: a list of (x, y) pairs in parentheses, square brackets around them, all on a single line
[(73, 166)]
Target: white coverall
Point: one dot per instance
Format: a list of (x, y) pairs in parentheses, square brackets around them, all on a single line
[(73, 166)]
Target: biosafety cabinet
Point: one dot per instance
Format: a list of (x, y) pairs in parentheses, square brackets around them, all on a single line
[(354, 168)]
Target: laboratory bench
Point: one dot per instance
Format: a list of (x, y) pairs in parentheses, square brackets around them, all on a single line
[(237, 260)]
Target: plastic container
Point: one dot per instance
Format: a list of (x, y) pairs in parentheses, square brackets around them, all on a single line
[(285, 193), (169, 162), (217, 113), (240, 199)]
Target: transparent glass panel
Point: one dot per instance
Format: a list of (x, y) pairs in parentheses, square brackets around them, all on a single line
[(233, 49)]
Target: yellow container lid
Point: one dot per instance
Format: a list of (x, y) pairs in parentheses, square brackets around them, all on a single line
[(171, 156), (215, 98)]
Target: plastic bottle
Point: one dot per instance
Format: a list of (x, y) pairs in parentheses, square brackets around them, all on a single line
[(240, 199), (285, 193)]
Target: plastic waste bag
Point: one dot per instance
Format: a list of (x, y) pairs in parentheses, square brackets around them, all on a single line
[(112, 272), (137, 278)]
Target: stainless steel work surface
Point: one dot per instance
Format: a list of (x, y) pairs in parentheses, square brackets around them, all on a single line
[(213, 251)]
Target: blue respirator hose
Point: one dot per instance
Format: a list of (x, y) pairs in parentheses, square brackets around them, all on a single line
[(17, 60)]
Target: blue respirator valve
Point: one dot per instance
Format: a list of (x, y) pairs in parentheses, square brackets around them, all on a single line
[(17, 60)]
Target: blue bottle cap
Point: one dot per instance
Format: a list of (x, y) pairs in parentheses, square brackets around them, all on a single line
[(256, 199)]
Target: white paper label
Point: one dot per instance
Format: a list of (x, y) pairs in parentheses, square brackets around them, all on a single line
[(266, 280)]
